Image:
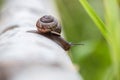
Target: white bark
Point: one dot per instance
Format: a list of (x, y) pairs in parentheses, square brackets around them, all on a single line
[(30, 56)]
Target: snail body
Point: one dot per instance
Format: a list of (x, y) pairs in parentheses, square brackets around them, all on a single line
[(49, 27)]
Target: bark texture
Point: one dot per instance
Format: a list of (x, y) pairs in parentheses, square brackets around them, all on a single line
[(30, 56)]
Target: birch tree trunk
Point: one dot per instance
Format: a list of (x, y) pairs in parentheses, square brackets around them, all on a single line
[(30, 56)]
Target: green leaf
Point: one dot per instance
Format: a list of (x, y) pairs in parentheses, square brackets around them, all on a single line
[(94, 17), (112, 16)]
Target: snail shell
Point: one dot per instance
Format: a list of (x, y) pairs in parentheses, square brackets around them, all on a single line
[(48, 24)]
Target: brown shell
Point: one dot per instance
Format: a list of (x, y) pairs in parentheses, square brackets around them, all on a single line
[(48, 24)]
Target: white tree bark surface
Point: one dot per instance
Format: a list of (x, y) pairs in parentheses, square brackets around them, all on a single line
[(30, 56)]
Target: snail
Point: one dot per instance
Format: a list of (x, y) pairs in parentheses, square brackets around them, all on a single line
[(49, 27)]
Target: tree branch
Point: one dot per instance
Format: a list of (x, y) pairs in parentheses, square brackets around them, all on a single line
[(30, 56)]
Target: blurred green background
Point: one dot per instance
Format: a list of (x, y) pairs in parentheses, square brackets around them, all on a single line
[(1, 3), (93, 58)]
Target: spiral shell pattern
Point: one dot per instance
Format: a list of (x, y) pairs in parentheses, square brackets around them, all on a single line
[(48, 24)]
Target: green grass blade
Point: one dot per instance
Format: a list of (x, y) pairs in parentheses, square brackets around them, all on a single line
[(94, 17), (112, 16)]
